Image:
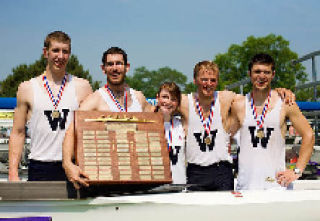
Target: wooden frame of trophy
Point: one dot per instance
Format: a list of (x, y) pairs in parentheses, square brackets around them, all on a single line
[(122, 148)]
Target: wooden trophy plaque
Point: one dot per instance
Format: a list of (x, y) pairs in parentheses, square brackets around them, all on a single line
[(122, 148)]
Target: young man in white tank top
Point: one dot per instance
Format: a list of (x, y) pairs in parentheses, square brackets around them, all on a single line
[(207, 126), (45, 104), (114, 96), (207, 153), (261, 117)]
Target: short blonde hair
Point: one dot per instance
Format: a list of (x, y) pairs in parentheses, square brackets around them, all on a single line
[(206, 65)]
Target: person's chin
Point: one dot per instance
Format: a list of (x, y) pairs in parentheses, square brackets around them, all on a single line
[(116, 81), (208, 93), (261, 87)]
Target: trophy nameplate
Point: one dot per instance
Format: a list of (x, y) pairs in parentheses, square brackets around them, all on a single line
[(122, 148)]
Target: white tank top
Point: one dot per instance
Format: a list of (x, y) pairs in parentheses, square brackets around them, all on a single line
[(177, 152), (260, 158), (47, 133), (197, 151), (135, 106)]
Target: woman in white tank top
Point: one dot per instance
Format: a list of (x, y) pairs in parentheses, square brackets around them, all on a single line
[(169, 97)]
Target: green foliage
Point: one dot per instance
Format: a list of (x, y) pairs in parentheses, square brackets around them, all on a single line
[(190, 87), (149, 81), (234, 64), (23, 72)]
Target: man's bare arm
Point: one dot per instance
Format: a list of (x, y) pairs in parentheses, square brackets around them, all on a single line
[(301, 124), (91, 102), (235, 114), (73, 172), (87, 102), (145, 105), (17, 136)]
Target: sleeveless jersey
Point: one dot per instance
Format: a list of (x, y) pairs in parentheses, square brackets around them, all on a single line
[(197, 151), (260, 158), (177, 151), (47, 133), (135, 106)]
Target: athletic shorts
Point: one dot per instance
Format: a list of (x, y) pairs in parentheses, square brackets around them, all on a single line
[(46, 171), (215, 177)]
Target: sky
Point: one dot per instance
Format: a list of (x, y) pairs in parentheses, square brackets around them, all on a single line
[(154, 33)]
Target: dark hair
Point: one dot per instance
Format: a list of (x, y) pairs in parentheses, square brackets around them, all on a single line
[(261, 58), (115, 50), (207, 65), (59, 36)]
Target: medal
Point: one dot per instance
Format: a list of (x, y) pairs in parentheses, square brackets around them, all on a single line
[(117, 103), (206, 123), (55, 101), (207, 140), (260, 122), (55, 114), (260, 133), (270, 179)]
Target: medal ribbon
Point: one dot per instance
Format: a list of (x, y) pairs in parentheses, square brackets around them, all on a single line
[(206, 124), (54, 100), (169, 138), (122, 109), (264, 111)]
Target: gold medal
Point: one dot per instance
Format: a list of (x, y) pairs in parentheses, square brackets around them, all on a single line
[(207, 140), (260, 121), (270, 179), (260, 133), (55, 100), (55, 114)]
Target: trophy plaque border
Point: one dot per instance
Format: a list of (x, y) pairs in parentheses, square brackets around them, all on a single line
[(122, 147)]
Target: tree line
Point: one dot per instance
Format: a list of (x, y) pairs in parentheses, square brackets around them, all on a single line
[(232, 64)]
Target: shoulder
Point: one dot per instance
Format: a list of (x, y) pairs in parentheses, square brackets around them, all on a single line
[(83, 88), (146, 106), (275, 94), (226, 99), (227, 96), (140, 96), (184, 105), (24, 90), (184, 99), (81, 83), (238, 102), (91, 102), (25, 85)]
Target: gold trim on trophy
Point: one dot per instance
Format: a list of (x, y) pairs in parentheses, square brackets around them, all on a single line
[(124, 119)]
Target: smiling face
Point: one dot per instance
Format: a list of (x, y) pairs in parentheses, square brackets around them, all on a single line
[(206, 81), (168, 103), (115, 69), (57, 56), (261, 76)]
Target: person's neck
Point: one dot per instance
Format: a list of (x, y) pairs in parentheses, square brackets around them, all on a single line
[(166, 118), (55, 76), (205, 101), (260, 96), (117, 90)]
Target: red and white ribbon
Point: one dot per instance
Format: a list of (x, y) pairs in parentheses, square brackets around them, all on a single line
[(264, 112), (114, 99), (54, 100)]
